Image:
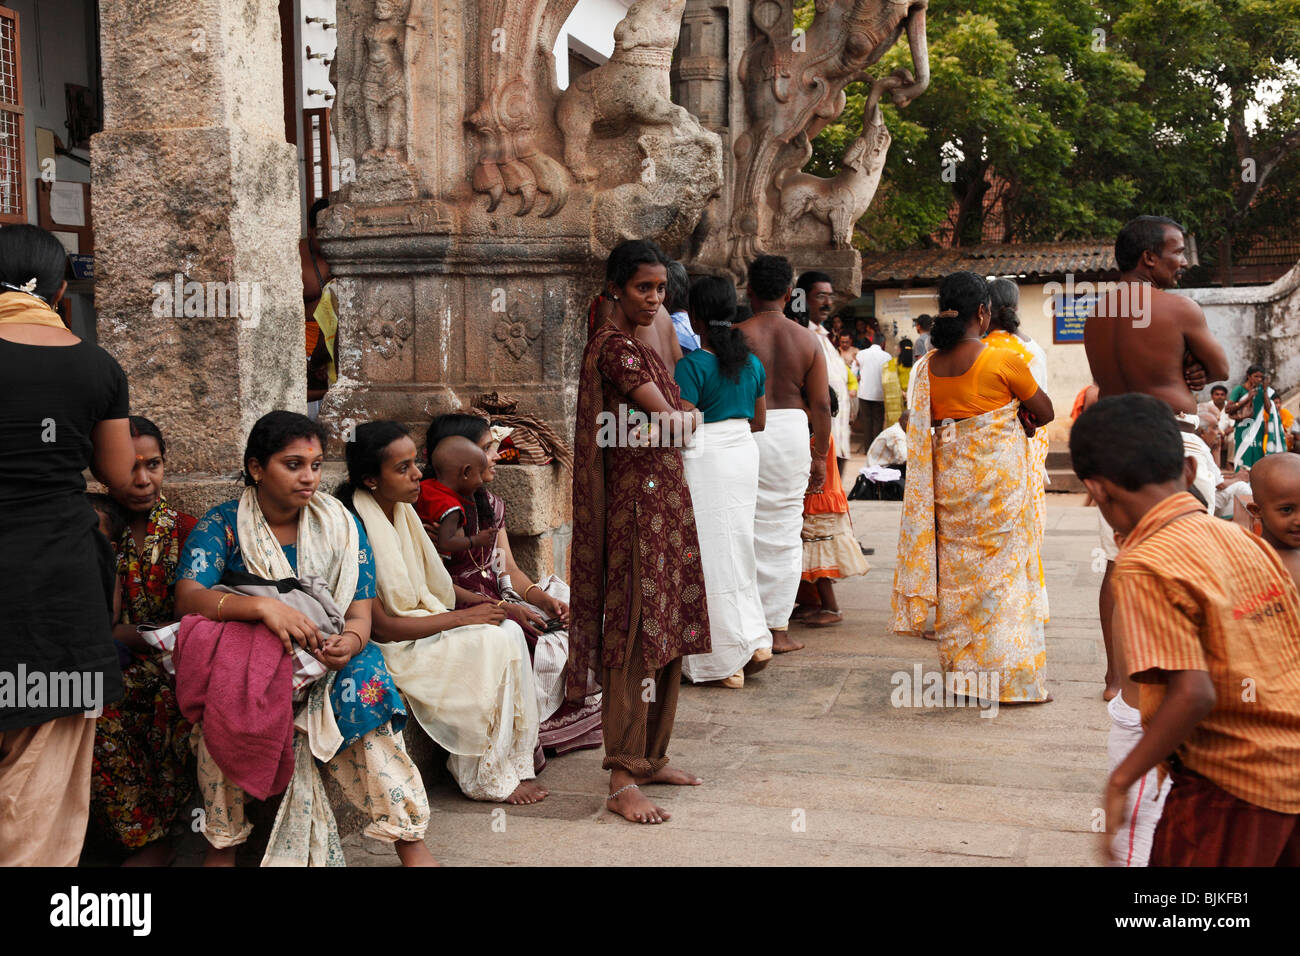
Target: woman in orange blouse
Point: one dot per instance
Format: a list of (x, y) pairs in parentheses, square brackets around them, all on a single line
[(968, 545)]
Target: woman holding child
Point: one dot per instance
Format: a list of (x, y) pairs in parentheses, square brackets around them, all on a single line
[(464, 672), (639, 602), (283, 527), (143, 772), (725, 381), (486, 571), (968, 544)]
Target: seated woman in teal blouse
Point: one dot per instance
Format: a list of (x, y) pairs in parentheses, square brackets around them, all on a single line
[(284, 527)]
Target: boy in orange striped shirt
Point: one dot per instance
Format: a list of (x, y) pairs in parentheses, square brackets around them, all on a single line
[(1210, 627)]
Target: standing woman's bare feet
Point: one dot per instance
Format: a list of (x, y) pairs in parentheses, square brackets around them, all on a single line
[(631, 804), (782, 643), (671, 775), (528, 791), (415, 853)]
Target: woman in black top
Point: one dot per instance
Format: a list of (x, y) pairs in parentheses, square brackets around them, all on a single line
[(63, 408)]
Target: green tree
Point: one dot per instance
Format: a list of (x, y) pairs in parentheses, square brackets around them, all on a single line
[(1081, 113)]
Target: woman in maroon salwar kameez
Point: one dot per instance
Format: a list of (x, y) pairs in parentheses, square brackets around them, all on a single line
[(638, 602)]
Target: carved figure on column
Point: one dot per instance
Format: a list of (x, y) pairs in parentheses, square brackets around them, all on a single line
[(383, 81), (794, 86)]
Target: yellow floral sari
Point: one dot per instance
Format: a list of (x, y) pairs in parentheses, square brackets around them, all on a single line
[(968, 546), (1039, 446)]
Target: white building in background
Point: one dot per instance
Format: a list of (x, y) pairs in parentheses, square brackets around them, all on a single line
[(587, 38)]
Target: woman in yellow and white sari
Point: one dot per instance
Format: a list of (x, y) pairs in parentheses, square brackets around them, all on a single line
[(1003, 332), (968, 544)]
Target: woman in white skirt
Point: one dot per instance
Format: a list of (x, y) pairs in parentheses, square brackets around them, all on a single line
[(725, 381)]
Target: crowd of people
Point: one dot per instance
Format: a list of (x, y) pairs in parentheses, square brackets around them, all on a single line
[(296, 629)]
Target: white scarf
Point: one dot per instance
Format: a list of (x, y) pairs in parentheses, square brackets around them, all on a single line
[(454, 680), (328, 545), (410, 576)]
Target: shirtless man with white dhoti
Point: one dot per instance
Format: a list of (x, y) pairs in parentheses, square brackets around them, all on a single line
[(797, 393)]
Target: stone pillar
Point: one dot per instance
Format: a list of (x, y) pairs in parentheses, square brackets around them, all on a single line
[(193, 179)]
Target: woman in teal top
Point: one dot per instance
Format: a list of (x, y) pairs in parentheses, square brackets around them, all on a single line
[(725, 381), (282, 527)]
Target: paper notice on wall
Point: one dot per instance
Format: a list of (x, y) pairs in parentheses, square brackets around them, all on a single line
[(68, 204), (71, 242)]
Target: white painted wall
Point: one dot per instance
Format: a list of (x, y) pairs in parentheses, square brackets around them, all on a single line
[(590, 31), (53, 55)]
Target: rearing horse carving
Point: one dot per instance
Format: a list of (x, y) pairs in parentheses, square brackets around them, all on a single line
[(794, 85)]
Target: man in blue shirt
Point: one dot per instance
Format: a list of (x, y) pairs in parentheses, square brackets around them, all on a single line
[(679, 292)]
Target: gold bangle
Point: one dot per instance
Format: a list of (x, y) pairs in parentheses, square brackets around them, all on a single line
[(219, 603), (499, 603), (361, 642), (529, 588)]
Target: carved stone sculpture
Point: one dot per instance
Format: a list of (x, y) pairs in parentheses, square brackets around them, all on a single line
[(679, 167), (840, 201), (794, 85), (510, 160), (383, 81)]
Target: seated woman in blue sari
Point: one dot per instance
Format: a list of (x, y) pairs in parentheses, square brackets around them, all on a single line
[(284, 527)]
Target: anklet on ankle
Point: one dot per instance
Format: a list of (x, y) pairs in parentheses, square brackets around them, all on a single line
[(630, 786)]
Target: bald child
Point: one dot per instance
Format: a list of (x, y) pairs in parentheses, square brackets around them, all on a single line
[(458, 468), (1275, 486)]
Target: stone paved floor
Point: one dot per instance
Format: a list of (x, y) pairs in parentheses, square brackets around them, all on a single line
[(814, 739)]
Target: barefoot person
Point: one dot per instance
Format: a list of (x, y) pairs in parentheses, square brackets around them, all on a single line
[(639, 602), (830, 550), (725, 382), (793, 362), (1142, 338), (1210, 626), (968, 544), (465, 672)]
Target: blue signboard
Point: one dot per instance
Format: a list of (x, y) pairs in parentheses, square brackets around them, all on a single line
[(1069, 313)]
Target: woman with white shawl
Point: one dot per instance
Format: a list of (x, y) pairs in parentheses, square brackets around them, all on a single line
[(465, 674), (282, 527)]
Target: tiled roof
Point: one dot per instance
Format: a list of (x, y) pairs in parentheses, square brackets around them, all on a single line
[(1041, 259)]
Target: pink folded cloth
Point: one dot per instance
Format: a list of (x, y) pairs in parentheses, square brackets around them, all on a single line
[(236, 680)]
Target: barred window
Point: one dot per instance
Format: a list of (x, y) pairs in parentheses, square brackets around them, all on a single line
[(13, 147)]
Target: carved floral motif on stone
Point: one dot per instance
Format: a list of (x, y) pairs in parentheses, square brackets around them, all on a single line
[(517, 331), (388, 329)]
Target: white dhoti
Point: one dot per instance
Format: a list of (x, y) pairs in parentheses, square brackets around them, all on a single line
[(722, 473), (784, 460), (1131, 845)]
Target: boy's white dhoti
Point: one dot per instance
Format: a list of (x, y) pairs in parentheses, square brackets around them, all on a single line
[(784, 460), (722, 473)]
